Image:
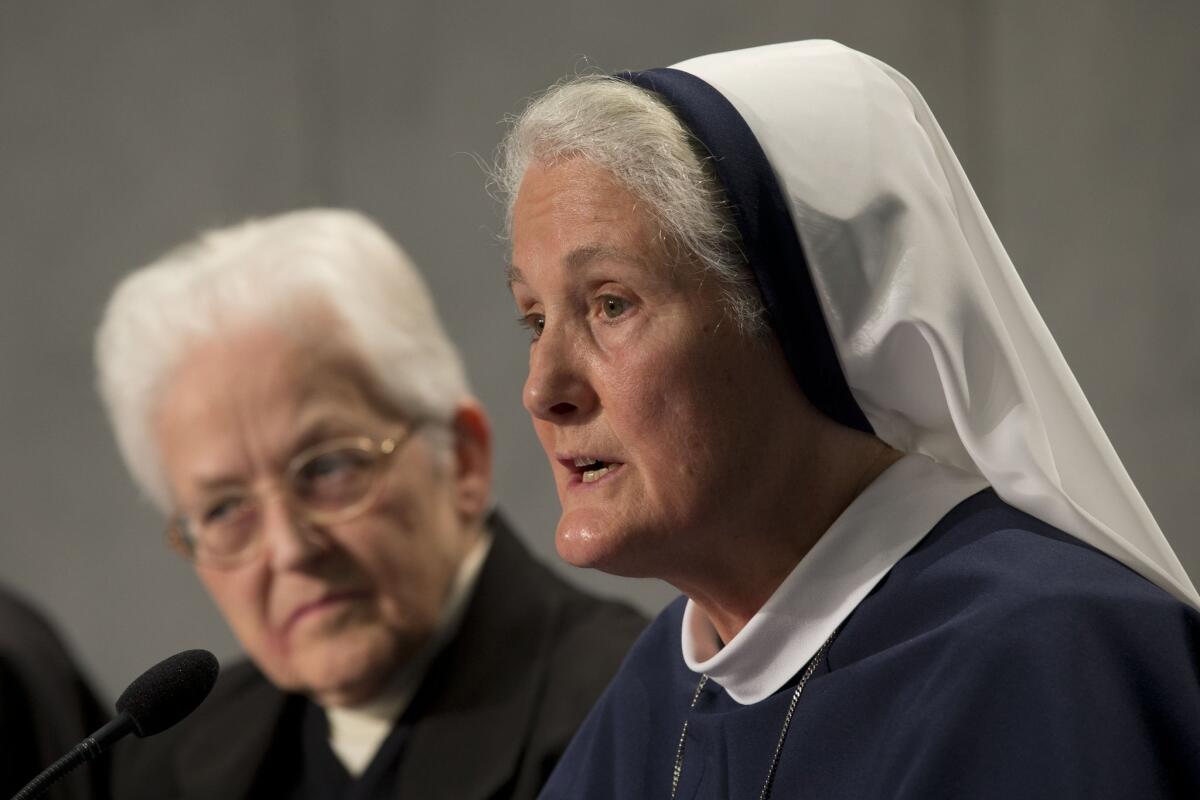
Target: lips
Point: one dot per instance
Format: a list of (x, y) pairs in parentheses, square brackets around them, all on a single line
[(322, 603), (587, 469)]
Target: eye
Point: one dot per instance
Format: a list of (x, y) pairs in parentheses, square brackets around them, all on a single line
[(534, 323), (612, 306), (332, 466), (331, 477), (221, 510)]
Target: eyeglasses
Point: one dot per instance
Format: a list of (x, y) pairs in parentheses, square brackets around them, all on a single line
[(332, 482)]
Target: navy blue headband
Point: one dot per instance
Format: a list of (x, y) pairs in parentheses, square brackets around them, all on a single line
[(769, 237)]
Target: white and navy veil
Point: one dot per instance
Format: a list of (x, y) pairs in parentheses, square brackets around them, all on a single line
[(894, 300)]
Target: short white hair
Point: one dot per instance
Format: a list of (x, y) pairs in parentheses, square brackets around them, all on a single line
[(631, 132), (273, 271)]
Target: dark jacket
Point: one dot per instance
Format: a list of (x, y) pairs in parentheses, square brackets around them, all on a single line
[(46, 706), (491, 718)]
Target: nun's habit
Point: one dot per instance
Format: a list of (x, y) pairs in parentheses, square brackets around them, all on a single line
[(998, 614)]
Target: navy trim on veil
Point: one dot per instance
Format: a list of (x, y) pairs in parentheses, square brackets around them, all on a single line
[(769, 238)]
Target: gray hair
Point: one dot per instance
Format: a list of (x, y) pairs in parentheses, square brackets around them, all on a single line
[(276, 271), (634, 135)]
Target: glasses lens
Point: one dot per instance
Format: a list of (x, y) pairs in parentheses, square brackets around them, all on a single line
[(222, 531), (336, 480)]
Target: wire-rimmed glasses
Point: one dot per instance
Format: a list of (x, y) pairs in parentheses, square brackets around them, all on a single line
[(328, 483)]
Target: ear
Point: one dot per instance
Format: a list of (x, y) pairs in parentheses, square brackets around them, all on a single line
[(472, 461)]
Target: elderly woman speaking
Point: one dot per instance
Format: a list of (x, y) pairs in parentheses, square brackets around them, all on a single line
[(780, 359)]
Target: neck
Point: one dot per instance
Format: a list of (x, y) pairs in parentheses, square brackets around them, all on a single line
[(756, 553)]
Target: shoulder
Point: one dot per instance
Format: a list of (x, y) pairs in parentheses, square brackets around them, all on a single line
[(540, 649), (31, 645), (241, 689), (588, 641), (22, 623), (1081, 672), (575, 621), (610, 642), (991, 570), (237, 719), (46, 703), (657, 646), (652, 677), (633, 720)]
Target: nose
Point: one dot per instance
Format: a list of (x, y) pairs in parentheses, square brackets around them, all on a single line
[(292, 542), (558, 388)]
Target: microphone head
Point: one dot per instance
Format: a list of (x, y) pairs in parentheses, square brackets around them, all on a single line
[(168, 691)]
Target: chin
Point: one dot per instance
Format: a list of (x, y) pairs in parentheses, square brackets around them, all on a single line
[(348, 669), (584, 541)]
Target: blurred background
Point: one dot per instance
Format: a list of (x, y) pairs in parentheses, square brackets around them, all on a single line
[(126, 127)]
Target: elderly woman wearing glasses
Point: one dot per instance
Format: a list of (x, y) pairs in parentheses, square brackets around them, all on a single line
[(284, 390), (780, 359)]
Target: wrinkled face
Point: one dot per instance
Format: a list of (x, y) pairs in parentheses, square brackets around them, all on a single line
[(330, 610), (654, 409)]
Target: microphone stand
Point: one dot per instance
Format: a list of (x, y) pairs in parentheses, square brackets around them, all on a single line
[(85, 751)]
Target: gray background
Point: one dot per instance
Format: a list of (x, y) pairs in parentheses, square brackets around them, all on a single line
[(127, 127)]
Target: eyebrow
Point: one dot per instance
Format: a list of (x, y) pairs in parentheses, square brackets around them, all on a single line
[(513, 274), (312, 432), (318, 430), (213, 484), (580, 257)]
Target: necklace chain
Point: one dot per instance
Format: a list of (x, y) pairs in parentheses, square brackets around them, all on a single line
[(787, 722)]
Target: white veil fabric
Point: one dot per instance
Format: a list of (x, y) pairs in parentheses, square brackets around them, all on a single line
[(939, 342)]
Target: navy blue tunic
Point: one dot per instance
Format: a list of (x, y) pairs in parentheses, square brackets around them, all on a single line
[(1000, 658)]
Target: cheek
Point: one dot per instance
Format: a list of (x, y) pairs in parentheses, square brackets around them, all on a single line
[(677, 414), (653, 401), (408, 554), (545, 432), (241, 597), (640, 385), (382, 551)]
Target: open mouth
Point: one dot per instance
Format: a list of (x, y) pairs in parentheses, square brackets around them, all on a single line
[(591, 470)]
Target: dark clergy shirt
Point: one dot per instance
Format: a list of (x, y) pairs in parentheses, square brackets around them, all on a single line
[(1001, 658)]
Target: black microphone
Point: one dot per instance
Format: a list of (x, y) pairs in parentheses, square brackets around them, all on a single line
[(162, 696)]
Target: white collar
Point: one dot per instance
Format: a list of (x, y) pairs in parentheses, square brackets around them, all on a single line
[(874, 532), (356, 733)]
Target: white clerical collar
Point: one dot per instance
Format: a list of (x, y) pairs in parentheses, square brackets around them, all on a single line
[(874, 532), (356, 733)]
